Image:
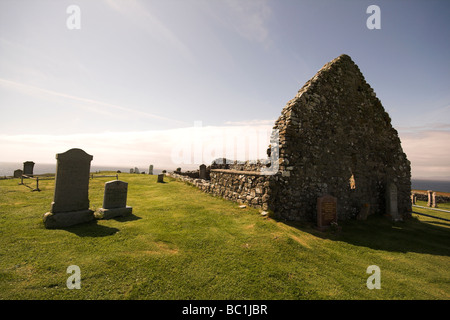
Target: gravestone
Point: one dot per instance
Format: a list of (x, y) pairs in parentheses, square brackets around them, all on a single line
[(28, 168), (70, 204), (150, 169), (202, 171), (433, 199), (114, 200), (178, 170), (160, 178), (364, 213), (326, 211), (413, 199), (131, 170), (136, 170), (392, 202), (429, 192), (18, 173)]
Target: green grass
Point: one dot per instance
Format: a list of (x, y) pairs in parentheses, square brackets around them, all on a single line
[(181, 243)]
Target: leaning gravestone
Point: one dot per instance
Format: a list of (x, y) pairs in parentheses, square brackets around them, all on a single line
[(391, 202), (326, 211), (28, 168), (114, 200), (70, 204)]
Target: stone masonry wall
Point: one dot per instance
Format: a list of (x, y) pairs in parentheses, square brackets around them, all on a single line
[(335, 130), (246, 187)]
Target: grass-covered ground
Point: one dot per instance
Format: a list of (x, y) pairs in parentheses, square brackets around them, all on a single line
[(181, 243)]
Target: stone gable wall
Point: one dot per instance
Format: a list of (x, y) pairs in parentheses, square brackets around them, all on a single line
[(336, 128)]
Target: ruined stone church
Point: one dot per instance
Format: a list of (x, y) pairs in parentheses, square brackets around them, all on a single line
[(333, 138)]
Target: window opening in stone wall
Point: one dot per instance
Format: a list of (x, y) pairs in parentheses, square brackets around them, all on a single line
[(352, 182)]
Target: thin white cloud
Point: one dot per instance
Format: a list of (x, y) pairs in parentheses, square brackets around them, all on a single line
[(186, 147), (428, 152), (92, 105), (250, 18), (140, 15)]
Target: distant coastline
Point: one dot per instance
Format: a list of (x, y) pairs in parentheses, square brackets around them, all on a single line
[(7, 169)]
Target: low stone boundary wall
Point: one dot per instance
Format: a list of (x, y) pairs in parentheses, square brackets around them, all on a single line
[(423, 196), (246, 187)]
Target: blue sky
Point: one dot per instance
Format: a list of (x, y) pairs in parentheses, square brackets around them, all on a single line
[(135, 81)]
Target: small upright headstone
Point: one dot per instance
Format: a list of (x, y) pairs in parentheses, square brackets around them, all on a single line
[(114, 200), (364, 213), (131, 170), (178, 170), (70, 204), (326, 211), (28, 168), (150, 169), (18, 173), (413, 198), (430, 201), (160, 178), (202, 172), (391, 202), (433, 199), (136, 170)]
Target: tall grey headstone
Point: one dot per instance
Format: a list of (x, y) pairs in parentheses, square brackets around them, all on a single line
[(114, 200), (150, 169), (202, 171), (28, 168), (392, 202), (70, 204)]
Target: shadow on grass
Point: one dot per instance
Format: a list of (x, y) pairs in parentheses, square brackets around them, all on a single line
[(93, 229), (380, 233)]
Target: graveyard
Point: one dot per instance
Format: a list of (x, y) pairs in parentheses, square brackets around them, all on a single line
[(179, 242)]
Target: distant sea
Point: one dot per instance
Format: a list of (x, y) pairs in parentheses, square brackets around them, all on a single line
[(7, 168)]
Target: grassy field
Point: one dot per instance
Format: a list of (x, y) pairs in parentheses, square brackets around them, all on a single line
[(181, 243)]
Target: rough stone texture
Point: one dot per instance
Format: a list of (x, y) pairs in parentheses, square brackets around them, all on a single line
[(71, 198), (333, 129), (334, 138)]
